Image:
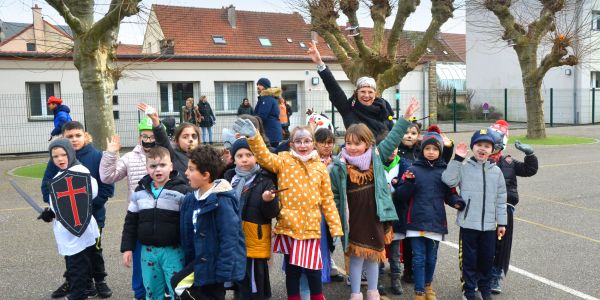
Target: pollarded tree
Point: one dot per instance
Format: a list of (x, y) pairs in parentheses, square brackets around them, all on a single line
[(377, 58), (544, 34), (94, 51)]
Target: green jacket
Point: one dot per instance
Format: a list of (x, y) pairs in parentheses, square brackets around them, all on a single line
[(339, 175)]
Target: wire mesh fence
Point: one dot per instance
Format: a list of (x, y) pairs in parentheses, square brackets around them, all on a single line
[(26, 124)]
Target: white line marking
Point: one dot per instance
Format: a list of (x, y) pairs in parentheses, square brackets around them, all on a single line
[(540, 279)]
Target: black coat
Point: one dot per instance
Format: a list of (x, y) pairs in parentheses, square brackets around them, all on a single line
[(245, 110), (511, 168), (377, 116), (208, 117)]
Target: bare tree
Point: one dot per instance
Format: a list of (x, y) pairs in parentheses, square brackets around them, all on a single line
[(378, 57), (94, 51), (544, 34)]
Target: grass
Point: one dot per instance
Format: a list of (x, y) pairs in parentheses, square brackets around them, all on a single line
[(32, 171), (552, 140)]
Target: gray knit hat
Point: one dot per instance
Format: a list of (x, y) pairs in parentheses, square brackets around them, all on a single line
[(66, 145)]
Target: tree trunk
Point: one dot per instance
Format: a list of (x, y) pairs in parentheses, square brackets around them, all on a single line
[(536, 127), (97, 82)]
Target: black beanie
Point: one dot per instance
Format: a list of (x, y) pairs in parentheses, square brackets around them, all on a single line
[(264, 82), (237, 145)]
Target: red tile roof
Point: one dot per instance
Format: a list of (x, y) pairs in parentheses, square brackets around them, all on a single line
[(129, 49), (457, 42)]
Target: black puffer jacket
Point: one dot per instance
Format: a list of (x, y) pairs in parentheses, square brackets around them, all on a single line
[(154, 221), (207, 116), (511, 168)]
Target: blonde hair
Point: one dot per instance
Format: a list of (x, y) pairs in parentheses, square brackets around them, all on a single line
[(300, 128), (361, 133)]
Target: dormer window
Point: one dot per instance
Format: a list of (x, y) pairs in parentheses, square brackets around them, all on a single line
[(445, 52), (31, 47), (302, 45), (219, 40), (265, 42), (428, 50), (289, 40)]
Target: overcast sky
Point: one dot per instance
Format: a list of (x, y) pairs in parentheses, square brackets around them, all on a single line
[(132, 29)]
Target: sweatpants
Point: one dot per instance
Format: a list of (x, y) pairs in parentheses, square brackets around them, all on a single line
[(78, 271), (476, 258), (137, 283), (158, 266)]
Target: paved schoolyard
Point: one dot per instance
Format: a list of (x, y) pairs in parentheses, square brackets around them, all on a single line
[(556, 246)]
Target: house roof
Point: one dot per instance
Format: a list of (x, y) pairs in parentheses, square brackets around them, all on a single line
[(457, 42), (11, 28)]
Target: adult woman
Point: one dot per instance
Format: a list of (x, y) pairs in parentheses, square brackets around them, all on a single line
[(207, 119), (363, 107), (245, 108), (190, 112)]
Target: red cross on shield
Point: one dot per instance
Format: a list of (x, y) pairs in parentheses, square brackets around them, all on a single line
[(71, 198)]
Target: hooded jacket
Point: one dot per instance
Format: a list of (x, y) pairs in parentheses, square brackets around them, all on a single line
[(131, 165), (376, 116), (267, 108), (339, 176), (511, 168), (61, 117), (90, 158), (178, 157), (211, 235), (483, 188), (154, 221)]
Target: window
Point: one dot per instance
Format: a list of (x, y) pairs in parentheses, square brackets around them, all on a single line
[(596, 80), (596, 20), (428, 50), (302, 45), (445, 52), (173, 95), (289, 40), (229, 95), (38, 93), (265, 42), (31, 47), (219, 40), (290, 94)]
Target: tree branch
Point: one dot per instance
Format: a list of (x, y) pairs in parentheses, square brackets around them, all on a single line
[(349, 8), (118, 10), (512, 30), (380, 10), (73, 22), (405, 9), (545, 23), (559, 56), (441, 11), (339, 51)]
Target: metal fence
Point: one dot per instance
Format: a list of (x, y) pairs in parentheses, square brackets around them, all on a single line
[(26, 125)]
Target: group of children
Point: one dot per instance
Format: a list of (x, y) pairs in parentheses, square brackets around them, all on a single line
[(199, 220)]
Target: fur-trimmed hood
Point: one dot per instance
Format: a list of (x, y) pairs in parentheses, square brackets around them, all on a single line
[(274, 91)]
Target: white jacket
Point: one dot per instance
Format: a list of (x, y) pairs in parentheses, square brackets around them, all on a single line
[(131, 165)]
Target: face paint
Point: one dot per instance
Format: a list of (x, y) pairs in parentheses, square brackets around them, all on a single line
[(148, 145)]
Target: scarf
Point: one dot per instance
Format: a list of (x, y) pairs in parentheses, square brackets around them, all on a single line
[(362, 162), (376, 116), (393, 164), (305, 158), (241, 177), (496, 156)]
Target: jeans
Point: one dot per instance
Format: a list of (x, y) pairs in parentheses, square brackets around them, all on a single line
[(206, 130), (137, 284), (424, 252)]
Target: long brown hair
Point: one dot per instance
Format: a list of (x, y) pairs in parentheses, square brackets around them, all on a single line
[(180, 129), (360, 132)]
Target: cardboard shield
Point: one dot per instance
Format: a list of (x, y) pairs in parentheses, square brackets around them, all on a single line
[(71, 197)]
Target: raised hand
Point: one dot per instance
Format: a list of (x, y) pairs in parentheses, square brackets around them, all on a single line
[(525, 148), (314, 54), (447, 142), (461, 150), (413, 106), (150, 112), (244, 127), (113, 144)]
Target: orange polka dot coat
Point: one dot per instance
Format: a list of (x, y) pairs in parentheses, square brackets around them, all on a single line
[(309, 193)]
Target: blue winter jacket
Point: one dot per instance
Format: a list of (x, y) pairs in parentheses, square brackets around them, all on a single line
[(90, 158), (267, 108), (212, 236), (426, 196), (61, 117)]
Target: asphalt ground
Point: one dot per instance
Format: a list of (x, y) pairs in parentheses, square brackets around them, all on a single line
[(556, 243)]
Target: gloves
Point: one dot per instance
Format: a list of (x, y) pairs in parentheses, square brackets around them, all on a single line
[(47, 215), (524, 148), (50, 138), (461, 204), (244, 127)]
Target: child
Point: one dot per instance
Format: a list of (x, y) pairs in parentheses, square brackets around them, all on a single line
[(298, 230), (426, 225), (153, 219), (212, 238), (133, 166), (253, 187), (61, 115), (482, 184), (76, 250), (90, 158), (511, 168), (187, 137)]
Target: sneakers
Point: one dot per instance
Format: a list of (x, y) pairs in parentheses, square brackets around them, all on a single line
[(61, 291), (90, 290), (419, 296), (496, 282), (380, 285), (396, 284), (429, 293), (356, 296), (103, 290)]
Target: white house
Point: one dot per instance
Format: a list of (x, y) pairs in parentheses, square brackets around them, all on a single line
[(492, 66), (187, 52)]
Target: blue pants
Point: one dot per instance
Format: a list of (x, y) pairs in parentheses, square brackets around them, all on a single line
[(206, 131), (476, 255), (424, 252), (158, 266), (137, 283)]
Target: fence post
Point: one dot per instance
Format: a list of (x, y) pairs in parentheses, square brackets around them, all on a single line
[(593, 105), (179, 104), (506, 104), (454, 108), (551, 107), (398, 102)]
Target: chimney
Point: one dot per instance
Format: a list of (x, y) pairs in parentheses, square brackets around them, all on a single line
[(38, 28), (231, 15)]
